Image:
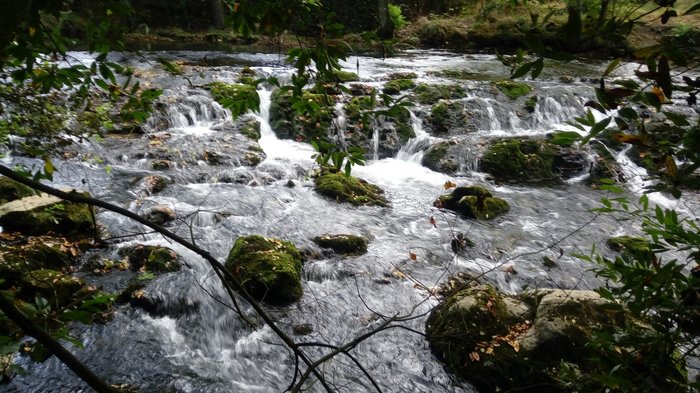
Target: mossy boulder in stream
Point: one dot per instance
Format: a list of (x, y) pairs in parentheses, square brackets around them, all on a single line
[(288, 124), (51, 285), (500, 342), (512, 89), (36, 253), (11, 190), (447, 116), (349, 189), (396, 86), (439, 158), (41, 214), (473, 202), (269, 269), (155, 259), (521, 160), (237, 97), (430, 94), (343, 244), (634, 245)]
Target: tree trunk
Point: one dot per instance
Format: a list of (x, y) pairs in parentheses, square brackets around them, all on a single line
[(217, 13)]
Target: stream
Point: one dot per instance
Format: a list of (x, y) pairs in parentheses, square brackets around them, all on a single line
[(198, 345)]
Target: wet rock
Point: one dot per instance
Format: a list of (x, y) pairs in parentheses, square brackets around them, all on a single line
[(355, 191), (155, 259), (161, 165), (358, 89), (11, 190), (154, 184), (51, 285), (634, 245), (396, 86), (447, 116), (473, 202), (41, 214), (159, 214), (26, 255), (430, 94), (402, 75), (521, 160), (303, 329), (343, 244), (269, 269), (345, 76), (238, 97), (439, 158), (500, 342), (570, 162), (512, 89), (287, 124), (251, 128)]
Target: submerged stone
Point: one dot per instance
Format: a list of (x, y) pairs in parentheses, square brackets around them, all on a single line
[(155, 259), (41, 214), (268, 269), (349, 189), (343, 244), (473, 202)]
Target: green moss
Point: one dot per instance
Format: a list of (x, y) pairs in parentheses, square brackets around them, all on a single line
[(11, 190), (398, 85), (520, 160), (16, 260), (224, 93), (402, 75), (343, 244), (446, 115), (269, 269), (287, 123), (251, 129), (357, 106), (54, 286), (401, 118), (530, 104), (474, 202), (60, 217), (346, 76), (513, 90), (430, 94), (155, 259), (349, 189)]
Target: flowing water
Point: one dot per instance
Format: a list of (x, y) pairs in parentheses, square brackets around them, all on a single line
[(198, 345)]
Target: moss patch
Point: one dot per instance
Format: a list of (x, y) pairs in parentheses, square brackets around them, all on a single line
[(396, 86), (350, 189), (155, 259), (269, 269), (11, 190), (346, 76), (513, 90), (445, 116), (236, 96), (287, 123), (430, 94), (631, 244), (251, 129), (520, 160), (343, 244), (41, 214)]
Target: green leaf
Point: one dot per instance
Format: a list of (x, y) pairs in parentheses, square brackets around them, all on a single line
[(612, 67), (596, 129), (521, 71), (537, 68)]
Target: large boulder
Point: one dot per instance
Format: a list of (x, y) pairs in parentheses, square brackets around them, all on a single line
[(521, 160), (473, 202), (350, 189), (41, 214), (500, 342), (268, 269)]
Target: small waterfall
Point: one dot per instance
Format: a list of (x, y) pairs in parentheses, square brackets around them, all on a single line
[(339, 123), (274, 147), (494, 124), (414, 149), (187, 112), (638, 181)]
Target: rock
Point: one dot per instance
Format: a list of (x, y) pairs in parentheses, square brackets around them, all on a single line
[(51, 285), (251, 128), (287, 124), (473, 202), (439, 159), (500, 343), (402, 75), (269, 269), (159, 214), (349, 189), (235, 96), (154, 184), (513, 90), (521, 160), (447, 116), (430, 94), (161, 165), (11, 190), (345, 76), (569, 162), (343, 244), (155, 259), (395, 86), (41, 214), (303, 329), (634, 245), (18, 258)]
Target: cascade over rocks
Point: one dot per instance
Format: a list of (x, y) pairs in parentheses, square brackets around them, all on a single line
[(473, 202), (41, 214), (501, 342), (269, 269)]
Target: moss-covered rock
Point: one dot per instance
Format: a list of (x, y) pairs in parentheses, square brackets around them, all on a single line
[(530, 104), (430, 94), (269, 269), (500, 342), (345, 76), (11, 190), (446, 116), (41, 214), (50, 284), (520, 160), (396, 86), (251, 128), (349, 189), (630, 244), (235, 95), (343, 244), (288, 124), (19, 258), (155, 259), (438, 159), (474, 202), (512, 89)]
